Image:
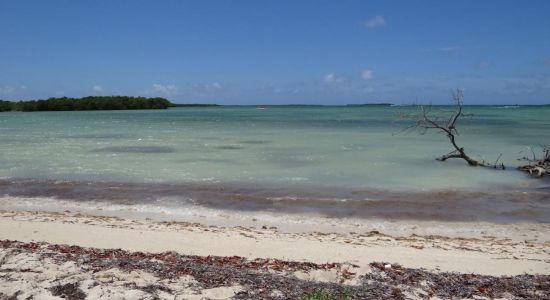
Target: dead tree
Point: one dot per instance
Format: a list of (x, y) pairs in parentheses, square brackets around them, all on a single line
[(537, 166), (444, 121)]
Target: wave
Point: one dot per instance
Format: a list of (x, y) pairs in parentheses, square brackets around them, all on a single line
[(502, 206)]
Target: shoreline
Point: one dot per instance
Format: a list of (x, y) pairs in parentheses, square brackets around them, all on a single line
[(161, 200)]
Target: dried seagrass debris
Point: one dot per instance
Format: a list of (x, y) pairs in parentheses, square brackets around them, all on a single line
[(455, 285), (69, 291), (273, 279)]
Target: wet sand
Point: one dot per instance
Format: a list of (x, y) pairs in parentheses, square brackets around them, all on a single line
[(495, 204)]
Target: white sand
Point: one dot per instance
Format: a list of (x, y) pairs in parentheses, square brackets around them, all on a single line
[(112, 284), (490, 254)]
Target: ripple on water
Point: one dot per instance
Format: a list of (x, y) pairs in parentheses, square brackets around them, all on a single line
[(135, 149), (229, 147), (255, 142), (97, 136)]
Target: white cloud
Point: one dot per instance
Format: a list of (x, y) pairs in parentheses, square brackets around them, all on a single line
[(97, 89), (377, 21), (367, 74), (164, 89), (331, 77), (203, 88)]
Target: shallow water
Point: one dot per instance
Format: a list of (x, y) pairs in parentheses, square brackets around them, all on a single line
[(302, 155)]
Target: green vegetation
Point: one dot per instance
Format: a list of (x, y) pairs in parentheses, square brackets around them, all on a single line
[(6, 106), (319, 294), (325, 294), (86, 103)]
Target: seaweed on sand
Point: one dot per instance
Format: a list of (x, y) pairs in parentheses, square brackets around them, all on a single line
[(274, 279)]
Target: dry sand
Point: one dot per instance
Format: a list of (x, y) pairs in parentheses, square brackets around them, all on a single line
[(501, 250), (518, 249)]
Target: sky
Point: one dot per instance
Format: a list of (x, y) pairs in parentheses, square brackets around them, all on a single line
[(277, 52)]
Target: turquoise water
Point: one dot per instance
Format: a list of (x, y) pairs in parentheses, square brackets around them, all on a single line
[(331, 150)]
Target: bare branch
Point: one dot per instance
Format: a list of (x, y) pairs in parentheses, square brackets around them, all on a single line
[(537, 166), (443, 121)]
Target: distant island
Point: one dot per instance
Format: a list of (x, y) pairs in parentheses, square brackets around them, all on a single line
[(193, 105), (370, 104), (86, 103)]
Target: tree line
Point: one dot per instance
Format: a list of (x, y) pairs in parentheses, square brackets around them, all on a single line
[(86, 103)]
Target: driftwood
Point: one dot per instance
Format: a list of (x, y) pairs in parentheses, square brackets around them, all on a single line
[(538, 167), (444, 122)]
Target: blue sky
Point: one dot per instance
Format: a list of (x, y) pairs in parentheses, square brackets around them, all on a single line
[(277, 52)]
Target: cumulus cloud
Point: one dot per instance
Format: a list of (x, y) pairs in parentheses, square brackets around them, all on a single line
[(164, 89), (98, 89), (331, 77), (377, 21), (367, 74), (205, 88)]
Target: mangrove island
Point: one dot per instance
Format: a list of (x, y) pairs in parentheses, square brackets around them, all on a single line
[(86, 103)]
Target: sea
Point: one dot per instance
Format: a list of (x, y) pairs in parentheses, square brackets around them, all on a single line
[(333, 161)]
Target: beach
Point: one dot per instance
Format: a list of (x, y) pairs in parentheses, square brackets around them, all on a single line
[(482, 249), (497, 250), (236, 202), (279, 150)]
